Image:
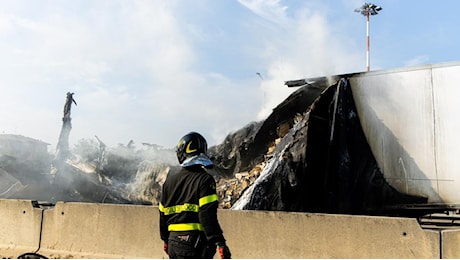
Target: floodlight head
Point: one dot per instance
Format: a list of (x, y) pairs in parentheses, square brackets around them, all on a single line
[(368, 9)]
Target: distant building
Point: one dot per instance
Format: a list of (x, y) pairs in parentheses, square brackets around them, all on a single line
[(23, 147)]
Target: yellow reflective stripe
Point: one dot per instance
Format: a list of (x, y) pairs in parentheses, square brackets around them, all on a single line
[(180, 208), (185, 227), (187, 206), (208, 199)]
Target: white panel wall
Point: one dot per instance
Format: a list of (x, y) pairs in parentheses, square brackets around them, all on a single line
[(446, 83), (410, 119)]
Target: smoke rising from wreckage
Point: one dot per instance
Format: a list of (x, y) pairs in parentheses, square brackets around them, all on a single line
[(309, 155), (96, 173)]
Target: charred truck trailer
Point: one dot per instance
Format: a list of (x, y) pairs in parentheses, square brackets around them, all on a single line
[(375, 143), (408, 120)]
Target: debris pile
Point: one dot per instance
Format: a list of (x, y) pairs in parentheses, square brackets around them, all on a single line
[(230, 190), (309, 155)]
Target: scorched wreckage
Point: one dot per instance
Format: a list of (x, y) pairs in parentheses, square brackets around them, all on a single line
[(376, 143)]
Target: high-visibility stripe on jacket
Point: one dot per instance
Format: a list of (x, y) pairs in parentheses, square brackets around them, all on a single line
[(185, 227), (187, 206), (189, 203)]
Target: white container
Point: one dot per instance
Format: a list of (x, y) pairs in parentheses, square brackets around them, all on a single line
[(410, 117)]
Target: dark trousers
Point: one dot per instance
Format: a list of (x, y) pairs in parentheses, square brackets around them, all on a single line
[(189, 244)]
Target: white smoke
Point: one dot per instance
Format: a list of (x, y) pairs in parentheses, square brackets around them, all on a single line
[(303, 44), (152, 71)]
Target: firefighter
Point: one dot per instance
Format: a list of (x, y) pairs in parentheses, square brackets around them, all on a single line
[(188, 205)]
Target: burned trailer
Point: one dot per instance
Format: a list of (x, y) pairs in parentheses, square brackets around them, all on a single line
[(410, 122), (409, 117), (378, 143)]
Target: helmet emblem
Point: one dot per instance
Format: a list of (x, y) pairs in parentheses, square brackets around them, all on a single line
[(188, 150)]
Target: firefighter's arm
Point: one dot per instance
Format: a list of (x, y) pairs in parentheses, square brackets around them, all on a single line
[(214, 234), (209, 203), (211, 227), (208, 211)]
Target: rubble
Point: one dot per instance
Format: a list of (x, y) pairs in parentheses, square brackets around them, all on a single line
[(309, 155)]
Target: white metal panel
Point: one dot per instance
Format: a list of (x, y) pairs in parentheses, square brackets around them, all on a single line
[(409, 118), (446, 83)]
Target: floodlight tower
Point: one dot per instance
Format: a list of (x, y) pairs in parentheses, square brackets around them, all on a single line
[(367, 10)]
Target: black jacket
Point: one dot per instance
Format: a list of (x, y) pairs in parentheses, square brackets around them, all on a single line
[(189, 203)]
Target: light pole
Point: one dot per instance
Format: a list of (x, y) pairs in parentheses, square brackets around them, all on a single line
[(367, 10)]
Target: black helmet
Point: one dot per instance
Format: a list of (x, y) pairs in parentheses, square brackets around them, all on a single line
[(190, 145)]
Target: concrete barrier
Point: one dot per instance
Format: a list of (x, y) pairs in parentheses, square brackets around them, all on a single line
[(88, 230), (20, 224), (259, 234), (450, 244)]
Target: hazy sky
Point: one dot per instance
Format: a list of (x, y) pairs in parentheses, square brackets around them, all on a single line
[(151, 71)]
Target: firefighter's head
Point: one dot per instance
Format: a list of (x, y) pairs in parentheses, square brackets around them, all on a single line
[(191, 150)]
